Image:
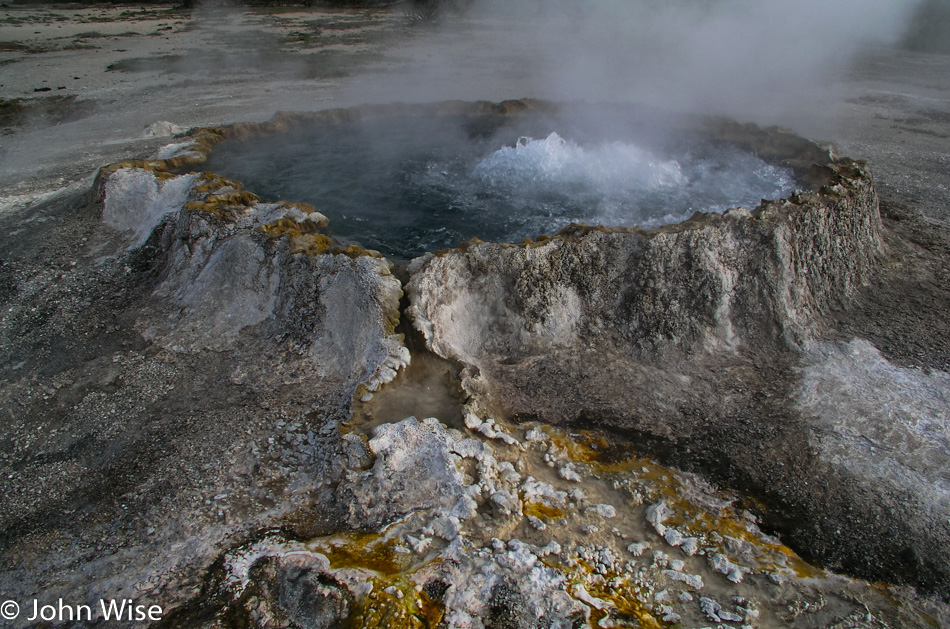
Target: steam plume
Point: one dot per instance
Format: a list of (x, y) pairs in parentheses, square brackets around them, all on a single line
[(755, 58)]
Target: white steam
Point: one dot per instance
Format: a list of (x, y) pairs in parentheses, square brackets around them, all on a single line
[(759, 58)]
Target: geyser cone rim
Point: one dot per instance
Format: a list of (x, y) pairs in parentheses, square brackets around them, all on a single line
[(817, 168)]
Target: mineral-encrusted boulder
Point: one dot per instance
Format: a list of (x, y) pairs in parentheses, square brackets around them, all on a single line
[(293, 590), (415, 470), (224, 280), (712, 285)]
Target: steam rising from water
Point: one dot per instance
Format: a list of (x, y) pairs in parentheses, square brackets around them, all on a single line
[(765, 60), (409, 186)]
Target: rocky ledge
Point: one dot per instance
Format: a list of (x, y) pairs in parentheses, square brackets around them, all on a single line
[(702, 343), (189, 364)]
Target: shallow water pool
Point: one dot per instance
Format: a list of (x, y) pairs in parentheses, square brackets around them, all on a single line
[(417, 184)]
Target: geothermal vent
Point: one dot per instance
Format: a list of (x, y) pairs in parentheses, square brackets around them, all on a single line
[(604, 293)]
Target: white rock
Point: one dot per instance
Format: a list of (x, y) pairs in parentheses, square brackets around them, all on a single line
[(656, 513), (472, 421), (602, 510), (415, 469), (711, 608), (569, 473), (692, 580), (690, 546), (552, 548), (539, 491), (504, 503), (535, 435), (720, 563), (136, 200), (163, 128), (673, 537), (581, 594), (637, 548)]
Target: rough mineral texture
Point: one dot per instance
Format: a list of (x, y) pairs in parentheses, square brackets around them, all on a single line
[(197, 370), (466, 534), (194, 376), (688, 340), (223, 281), (710, 286)]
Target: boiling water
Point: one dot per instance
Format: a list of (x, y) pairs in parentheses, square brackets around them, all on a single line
[(410, 186)]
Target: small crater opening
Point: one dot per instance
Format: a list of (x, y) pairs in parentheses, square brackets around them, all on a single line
[(405, 185)]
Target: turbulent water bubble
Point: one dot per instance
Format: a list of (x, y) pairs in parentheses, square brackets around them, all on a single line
[(609, 168), (408, 186)]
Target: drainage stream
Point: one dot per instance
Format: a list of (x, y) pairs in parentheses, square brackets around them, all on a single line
[(631, 542), (578, 527), (429, 386), (471, 517)]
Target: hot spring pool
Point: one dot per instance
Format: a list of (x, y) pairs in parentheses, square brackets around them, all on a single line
[(409, 185)]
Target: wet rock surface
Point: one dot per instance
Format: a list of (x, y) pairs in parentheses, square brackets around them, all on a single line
[(193, 421)]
